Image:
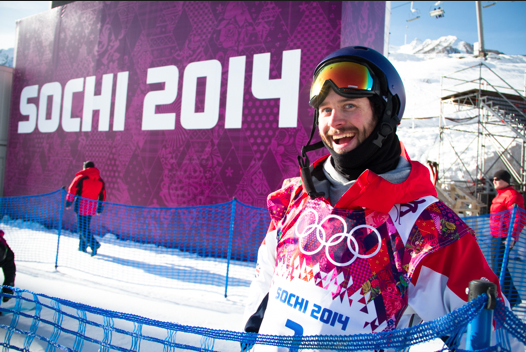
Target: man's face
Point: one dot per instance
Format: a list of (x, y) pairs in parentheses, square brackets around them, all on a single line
[(345, 123), (500, 184)]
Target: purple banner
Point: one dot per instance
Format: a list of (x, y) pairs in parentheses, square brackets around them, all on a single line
[(177, 103)]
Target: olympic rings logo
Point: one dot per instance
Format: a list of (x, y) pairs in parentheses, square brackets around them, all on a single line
[(336, 239)]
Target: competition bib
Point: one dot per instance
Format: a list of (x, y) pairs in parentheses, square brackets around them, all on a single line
[(339, 271)]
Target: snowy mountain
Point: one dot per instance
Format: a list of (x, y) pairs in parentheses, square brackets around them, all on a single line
[(449, 44), (443, 45), (6, 57)]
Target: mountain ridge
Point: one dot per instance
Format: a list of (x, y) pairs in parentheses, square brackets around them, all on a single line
[(449, 44)]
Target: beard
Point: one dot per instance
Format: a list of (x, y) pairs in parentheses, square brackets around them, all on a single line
[(365, 155), (359, 137)]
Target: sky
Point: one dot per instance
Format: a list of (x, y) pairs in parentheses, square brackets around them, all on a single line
[(460, 20), (503, 23), (10, 12)]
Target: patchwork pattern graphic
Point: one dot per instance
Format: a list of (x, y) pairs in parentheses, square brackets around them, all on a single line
[(176, 167), (356, 255)]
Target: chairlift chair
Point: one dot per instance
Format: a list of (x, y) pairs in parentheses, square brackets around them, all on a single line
[(436, 10), (414, 14)]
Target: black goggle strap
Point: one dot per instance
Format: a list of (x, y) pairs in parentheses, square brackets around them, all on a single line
[(304, 162), (388, 123)]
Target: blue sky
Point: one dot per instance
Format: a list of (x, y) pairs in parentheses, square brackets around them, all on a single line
[(504, 24), (10, 12)]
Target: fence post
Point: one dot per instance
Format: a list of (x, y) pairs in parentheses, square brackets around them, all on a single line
[(479, 329), (508, 244), (230, 237), (60, 216)]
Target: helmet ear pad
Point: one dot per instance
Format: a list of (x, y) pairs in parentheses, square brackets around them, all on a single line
[(378, 106)]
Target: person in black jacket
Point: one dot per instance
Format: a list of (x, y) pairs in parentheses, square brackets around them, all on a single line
[(88, 192), (7, 262)]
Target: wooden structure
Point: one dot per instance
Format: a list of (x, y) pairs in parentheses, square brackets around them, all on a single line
[(458, 199)]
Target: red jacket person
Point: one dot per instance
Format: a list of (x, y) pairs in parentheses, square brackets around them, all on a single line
[(87, 191), (502, 206), (359, 243), (500, 222)]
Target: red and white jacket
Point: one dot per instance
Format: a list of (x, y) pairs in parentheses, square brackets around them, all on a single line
[(384, 257)]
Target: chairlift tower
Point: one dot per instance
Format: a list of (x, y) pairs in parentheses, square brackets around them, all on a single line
[(480, 28), (479, 109)]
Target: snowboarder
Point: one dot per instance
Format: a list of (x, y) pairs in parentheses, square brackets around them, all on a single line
[(359, 243)]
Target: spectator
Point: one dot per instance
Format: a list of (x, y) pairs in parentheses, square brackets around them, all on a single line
[(88, 192), (359, 243), (7, 262), (500, 217)]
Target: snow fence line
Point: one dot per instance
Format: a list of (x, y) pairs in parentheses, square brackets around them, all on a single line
[(108, 330), (210, 248)]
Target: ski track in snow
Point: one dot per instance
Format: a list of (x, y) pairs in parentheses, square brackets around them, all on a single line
[(98, 282)]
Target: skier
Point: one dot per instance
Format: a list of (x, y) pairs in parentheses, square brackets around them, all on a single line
[(86, 189), (359, 243)]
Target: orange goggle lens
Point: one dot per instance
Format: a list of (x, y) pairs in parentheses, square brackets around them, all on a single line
[(343, 75)]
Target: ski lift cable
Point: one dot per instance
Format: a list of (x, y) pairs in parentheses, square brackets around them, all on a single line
[(405, 3)]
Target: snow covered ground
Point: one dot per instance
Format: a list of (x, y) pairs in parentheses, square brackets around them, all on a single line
[(205, 305), (157, 298)]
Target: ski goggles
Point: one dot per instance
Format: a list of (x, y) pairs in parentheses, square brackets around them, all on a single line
[(346, 77)]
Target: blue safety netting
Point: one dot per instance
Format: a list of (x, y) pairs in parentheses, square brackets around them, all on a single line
[(45, 326), (210, 247), (165, 247), (505, 255)]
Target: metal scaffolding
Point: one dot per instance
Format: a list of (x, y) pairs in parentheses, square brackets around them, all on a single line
[(481, 110)]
